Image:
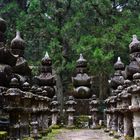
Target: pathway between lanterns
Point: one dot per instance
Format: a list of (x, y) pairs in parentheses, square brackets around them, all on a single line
[(82, 134)]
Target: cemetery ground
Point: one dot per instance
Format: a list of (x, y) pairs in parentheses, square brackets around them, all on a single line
[(77, 134)]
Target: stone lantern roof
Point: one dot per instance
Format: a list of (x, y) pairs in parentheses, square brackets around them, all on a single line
[(2, 25), (127, 83), (14, 83), (119, 65), (14, 90), (120, 88), (81, 62), (94, 100), (33, 89), (134, 46), (26, 86), (18, 43), (136, 76), (107, 101), (71, 101), (125, 94), (113, 99), (39, 91), (54, 101)]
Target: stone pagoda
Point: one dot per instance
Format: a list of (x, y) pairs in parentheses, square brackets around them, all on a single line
[(82, 87), (7, 59), (46, 79), (133, 70), (21, 68), (81, 82)]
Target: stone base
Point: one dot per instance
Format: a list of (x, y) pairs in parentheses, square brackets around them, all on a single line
[(95, 127), (70, 127), (111, 133), (137, 133), (106, 130), (117, 135), (82, 107)]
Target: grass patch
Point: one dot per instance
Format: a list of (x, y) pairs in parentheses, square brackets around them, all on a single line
[(51, 136)]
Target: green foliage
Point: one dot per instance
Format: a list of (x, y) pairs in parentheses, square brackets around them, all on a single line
[(81, 120), (102, 59)]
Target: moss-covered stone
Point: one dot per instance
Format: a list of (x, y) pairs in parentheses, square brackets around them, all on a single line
[(28, 138), (55, 127), (71, 127), (96, 127), (137, 139), (128, 138), (3, 135)]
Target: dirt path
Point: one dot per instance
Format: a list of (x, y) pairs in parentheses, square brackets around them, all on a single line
[(84, 134)]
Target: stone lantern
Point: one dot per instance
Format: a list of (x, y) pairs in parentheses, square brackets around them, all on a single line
[(39, 109), (35, 134), (127, 115), (70, 111), (14, 108), (120, 114), (135, 105), (54, 110), (43, 110), (26, 113), (114, 117), (46, 112), (34, 104), (82, 82), (94, 104), (108, 114)]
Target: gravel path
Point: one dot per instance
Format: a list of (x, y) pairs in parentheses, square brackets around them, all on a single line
[(83, 134)]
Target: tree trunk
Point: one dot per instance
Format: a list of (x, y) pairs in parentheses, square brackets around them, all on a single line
[(103, 86), (59, 91)]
